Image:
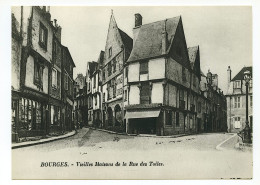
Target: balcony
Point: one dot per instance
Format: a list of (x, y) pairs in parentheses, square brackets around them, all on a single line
[(182, 104)]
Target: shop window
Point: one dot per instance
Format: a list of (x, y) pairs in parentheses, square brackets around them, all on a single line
[(168, 118), (55, 115), (144, 67), (43, 36), (31, 112), (177, 119)]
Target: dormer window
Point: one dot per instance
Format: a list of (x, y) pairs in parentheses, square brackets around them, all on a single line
[(237, 84)]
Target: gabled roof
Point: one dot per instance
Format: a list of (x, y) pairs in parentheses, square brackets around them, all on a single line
[(240, 75), (148, 43), (68, 51), (101, 58), (192, 51), (92, 66), (127, 41)]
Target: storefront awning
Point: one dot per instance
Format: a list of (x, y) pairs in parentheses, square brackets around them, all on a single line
[(142, 114)]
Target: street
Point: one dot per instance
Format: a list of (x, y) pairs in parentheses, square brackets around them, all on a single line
[(187, 157)]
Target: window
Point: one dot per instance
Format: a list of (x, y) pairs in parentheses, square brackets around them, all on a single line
[(43, 36), (168, 117), (109, 68), (104, 97), (96, 100), (104, 75), (237, 123), (126, 71), (251, 83), (194, 81), (66, 81), (199, 107), (237, 84), (144, 67), (94, 82), (113, 81), (110, 52), (145, 93), (54, 78), (38, 72), (237, 102), (251, 101), (125, 95), (114, 65), (55, 115), (177, 119), (183, 74)]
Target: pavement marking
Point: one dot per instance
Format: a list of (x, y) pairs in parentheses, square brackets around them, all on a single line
[(218, 147)]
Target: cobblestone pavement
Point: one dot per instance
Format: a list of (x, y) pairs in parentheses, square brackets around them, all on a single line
[(187, 157)]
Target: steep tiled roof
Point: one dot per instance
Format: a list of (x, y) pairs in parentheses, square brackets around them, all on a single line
[(128, 41), (240, 75), (192, 51), (148, 43), (92, 67)]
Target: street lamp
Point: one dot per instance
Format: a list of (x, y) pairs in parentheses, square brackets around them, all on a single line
[(247, 130)]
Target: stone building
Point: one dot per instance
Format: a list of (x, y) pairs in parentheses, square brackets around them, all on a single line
[(96, 79), (16, 67), (163, 85), (117, 50), (91, 68), (236, 100), (39, 65), (80, 105)]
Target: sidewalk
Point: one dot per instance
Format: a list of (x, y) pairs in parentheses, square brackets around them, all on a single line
[(41, 141)]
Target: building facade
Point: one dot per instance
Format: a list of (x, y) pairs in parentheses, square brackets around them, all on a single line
[(117, 50), (38, 61), (236, 100)]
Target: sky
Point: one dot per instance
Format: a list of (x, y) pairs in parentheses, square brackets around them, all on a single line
[(223, 33)]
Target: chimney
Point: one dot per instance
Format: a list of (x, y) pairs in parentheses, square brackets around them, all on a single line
[(138, 24), (164, 38), (55, 22), (138, 20), (48, 9), (229, 74)]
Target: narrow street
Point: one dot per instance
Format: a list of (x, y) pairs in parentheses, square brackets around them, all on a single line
[(193, 157)]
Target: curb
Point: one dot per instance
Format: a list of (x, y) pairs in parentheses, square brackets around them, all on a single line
[(108, 131), (143, 135), (20, 145)]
